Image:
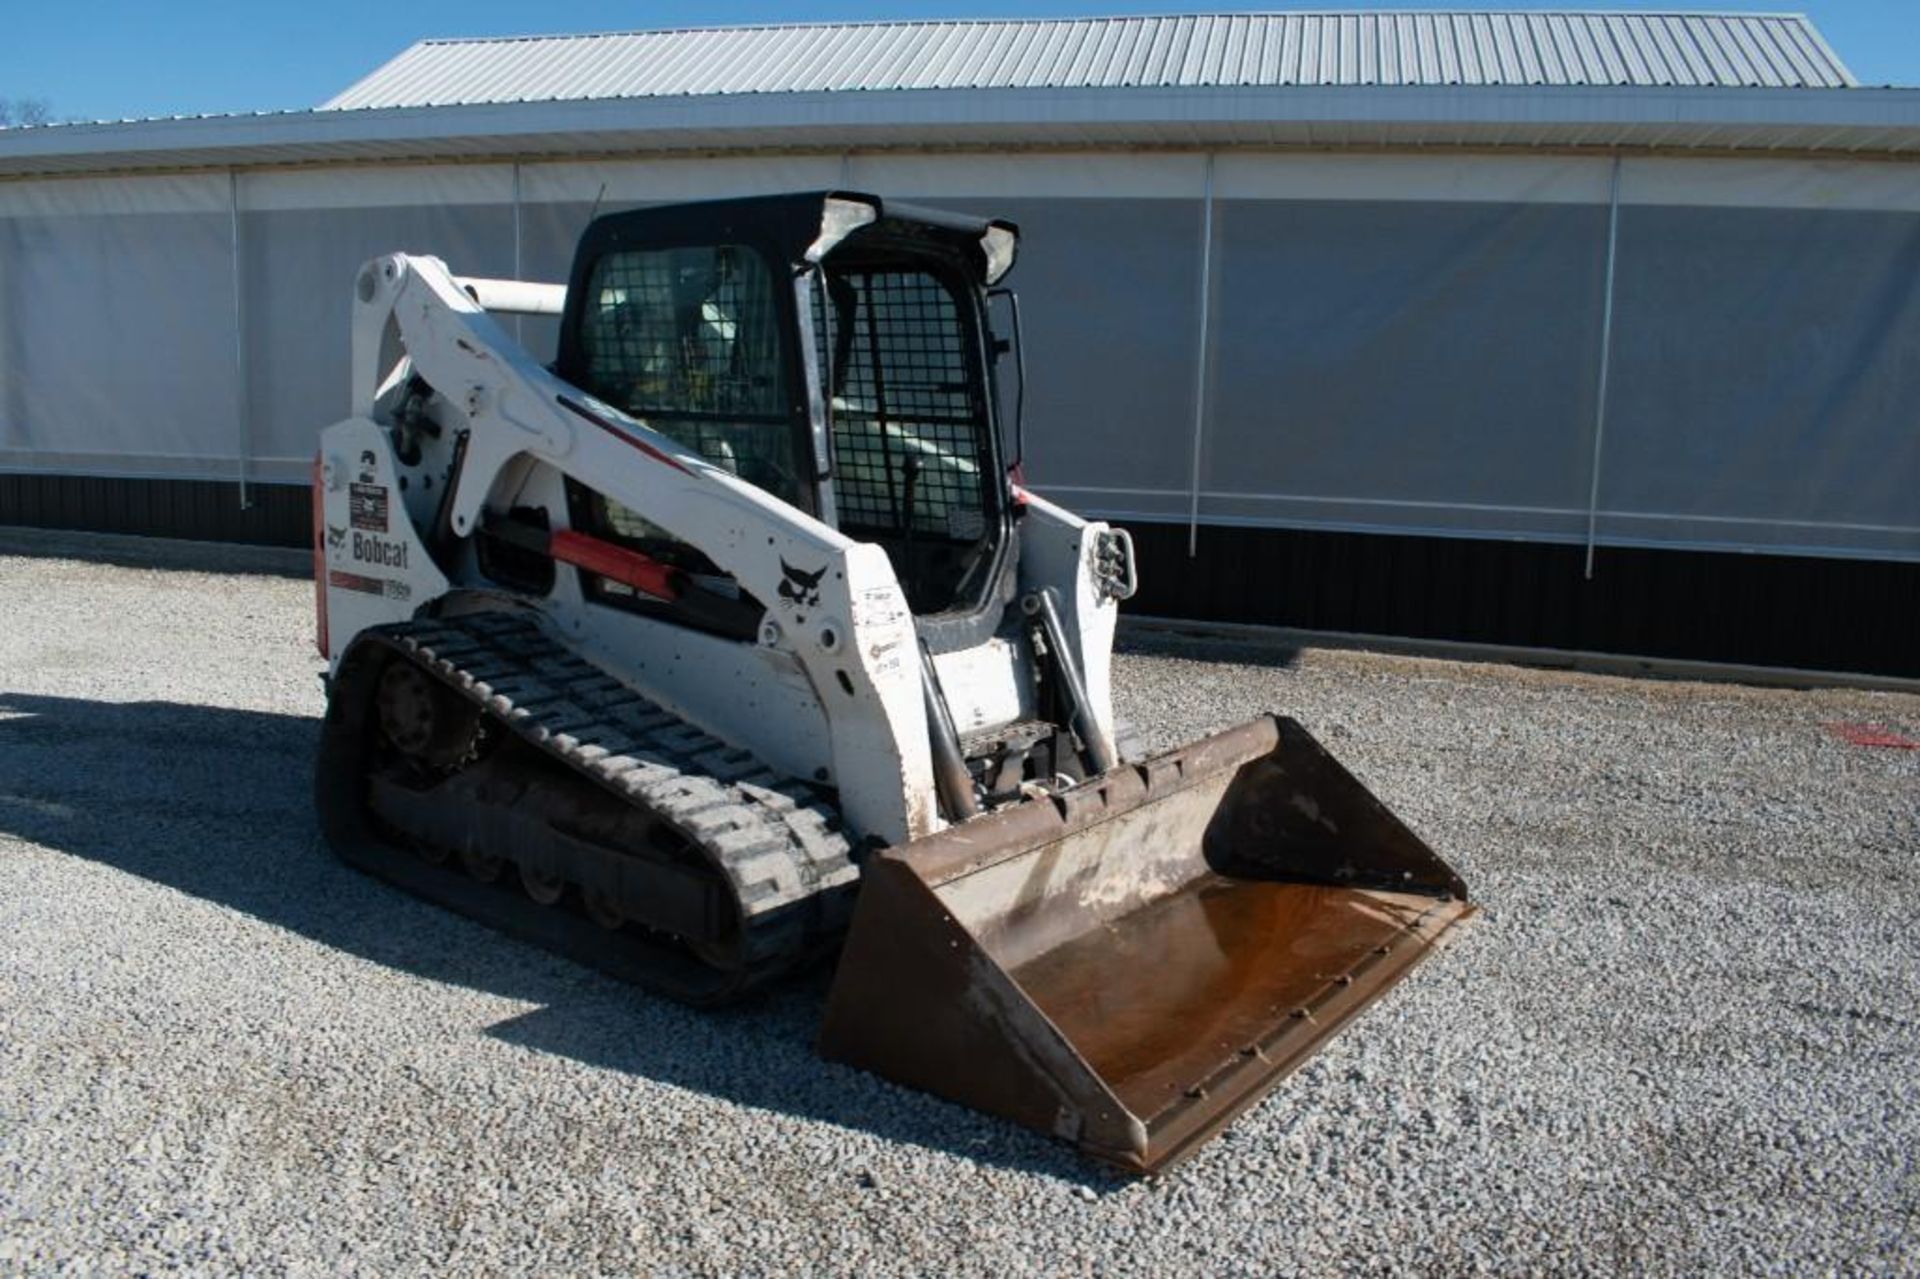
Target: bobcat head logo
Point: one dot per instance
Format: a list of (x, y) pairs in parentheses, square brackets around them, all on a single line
[(336, 537), (800, 589)]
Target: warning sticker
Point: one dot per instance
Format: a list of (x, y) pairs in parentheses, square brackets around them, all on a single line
[(369, 585), (888, 657), (881, 614), (367, 506), (880, 606)]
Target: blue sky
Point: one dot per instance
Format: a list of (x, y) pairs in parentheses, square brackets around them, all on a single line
[(107, 59)]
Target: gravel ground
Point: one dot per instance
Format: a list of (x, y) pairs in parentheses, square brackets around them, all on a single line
[(1683, 1037)]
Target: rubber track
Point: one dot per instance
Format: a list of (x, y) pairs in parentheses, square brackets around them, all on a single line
[(777, 845)]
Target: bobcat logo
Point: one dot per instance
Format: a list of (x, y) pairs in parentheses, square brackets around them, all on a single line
[(800, 589), (336, 537)]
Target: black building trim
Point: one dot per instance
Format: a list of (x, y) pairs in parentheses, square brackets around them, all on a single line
[(1860, 616), (1707, 606), (204, 510)]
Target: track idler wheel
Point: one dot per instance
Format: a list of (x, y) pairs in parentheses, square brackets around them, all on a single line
[(424, 720), (485, 867), (543, 886), (603, 910)]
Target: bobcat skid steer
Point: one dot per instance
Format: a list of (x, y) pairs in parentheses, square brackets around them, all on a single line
[(732, 638)]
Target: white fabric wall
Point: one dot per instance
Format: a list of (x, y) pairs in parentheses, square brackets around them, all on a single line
[(116, 327), (1399, 343)]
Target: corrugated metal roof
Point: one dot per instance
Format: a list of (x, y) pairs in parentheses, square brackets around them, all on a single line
[(1509, 48)]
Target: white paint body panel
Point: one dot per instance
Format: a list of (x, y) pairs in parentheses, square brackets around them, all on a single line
[(831, 692), (986, 686), (851, 635), (1057, 551), (377, 565)]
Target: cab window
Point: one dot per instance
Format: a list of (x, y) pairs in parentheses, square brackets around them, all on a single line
[(688, 341)]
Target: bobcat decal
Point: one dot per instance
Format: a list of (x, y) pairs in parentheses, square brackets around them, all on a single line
[(798, 588)]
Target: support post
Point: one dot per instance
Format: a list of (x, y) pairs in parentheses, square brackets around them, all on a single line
[(13, 427), (1204, 354), (519, 270), (241, 397), (1606, 359)]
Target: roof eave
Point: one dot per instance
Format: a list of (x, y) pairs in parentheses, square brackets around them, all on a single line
[(1882, 121)]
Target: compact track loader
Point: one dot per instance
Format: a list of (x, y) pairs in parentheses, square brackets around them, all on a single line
[(734, 634)]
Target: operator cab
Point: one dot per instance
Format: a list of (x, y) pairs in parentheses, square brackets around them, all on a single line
[(828, 348)]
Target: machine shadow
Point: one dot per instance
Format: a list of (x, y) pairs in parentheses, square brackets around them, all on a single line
[(217, 803), (761, 1054)]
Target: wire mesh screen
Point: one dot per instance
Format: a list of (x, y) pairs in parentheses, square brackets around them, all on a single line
[(908, 417), (689, 340), (686, 331)]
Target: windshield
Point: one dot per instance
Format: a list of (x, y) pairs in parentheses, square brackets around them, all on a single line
[(688, 340)]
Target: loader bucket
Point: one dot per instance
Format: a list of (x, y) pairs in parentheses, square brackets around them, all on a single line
[(1131, 964)]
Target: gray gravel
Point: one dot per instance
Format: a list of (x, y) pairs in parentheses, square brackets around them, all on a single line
[(1684, 1037)]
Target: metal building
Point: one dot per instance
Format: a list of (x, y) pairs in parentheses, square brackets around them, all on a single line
[(1572, 330)]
